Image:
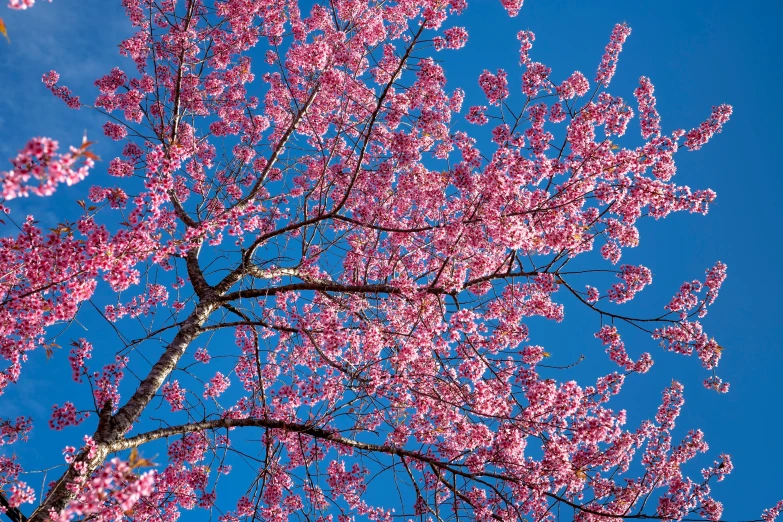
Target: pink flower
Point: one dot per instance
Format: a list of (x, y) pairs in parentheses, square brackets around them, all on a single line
[(512, 6), (66, 416), (495, 87), (114, 131), (697, 137), (455, 38), (202, 355), (635, 278), (21, 4), (476, 115), (575, 85), (648, 115), (216, 386), (174, 395), (50, 79), (526, 39), (21, 493), (535, 79), (81, 350), (39, 168), (771, 514), (120, 168), (609, 60)]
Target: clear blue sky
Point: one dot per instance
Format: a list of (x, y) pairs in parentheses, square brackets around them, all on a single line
[(697, 54)]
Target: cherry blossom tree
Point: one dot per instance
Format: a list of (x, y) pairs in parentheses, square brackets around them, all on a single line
[(322, 268)]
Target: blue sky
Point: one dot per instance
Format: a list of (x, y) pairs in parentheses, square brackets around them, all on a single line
[(697, 54)]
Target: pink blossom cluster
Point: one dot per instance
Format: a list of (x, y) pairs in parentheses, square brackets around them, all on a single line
[(512, 6), (346, 483), (202, 355), (686, 299), (107, 383), (15, 430), (526, 39), (140, 305), (50, 79), (116, 197), (635, 278), (108, 494), (21, 4), (535, 79), (537, 136), (65, 416), (696, 138), (608, 64), (610, 337), (687, 337), (9, 469), (128, 100), (771, 514), (714, 280), (81, 350), (454, 38), (174, 395), (39, 168), (120, 168), (495, 86), (575, 85), (713, 382), (218, 384), (649, 119), (115, 131), (476, 115), (21, 493)]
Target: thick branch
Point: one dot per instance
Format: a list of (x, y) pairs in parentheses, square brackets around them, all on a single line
[(328, 286), (111, 429), (13, 514), (333, 436), (128, 414)]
